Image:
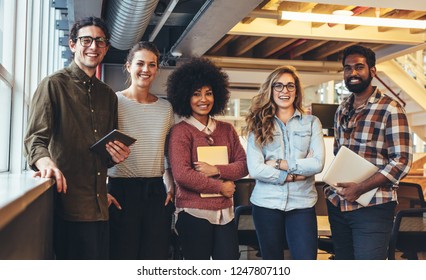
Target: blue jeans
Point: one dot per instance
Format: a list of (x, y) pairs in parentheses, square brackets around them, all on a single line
[(362, 234), (298, 226)]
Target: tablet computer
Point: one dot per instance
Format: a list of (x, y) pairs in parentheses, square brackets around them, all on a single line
[(115, 135)]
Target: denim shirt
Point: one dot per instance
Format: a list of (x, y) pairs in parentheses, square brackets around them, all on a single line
[(292, 142)]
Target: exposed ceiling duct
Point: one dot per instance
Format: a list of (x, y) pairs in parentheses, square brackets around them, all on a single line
[(127, 21), (212, 21)]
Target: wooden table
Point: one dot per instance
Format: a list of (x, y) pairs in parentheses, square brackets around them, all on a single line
[(414, 228), (413, 224), (323, 226), (246, 223)]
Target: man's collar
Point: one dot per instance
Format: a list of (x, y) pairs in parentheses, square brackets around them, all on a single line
[(347, 104), (80, 74)]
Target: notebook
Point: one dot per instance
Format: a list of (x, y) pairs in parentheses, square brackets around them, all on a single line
[(348, 166), (213, 155)]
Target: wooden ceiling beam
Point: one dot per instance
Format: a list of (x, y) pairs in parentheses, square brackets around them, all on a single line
[(272, 45), (244, 44), (308, 46), (331, 48), (224, 41), (248, 20), (402, 14)]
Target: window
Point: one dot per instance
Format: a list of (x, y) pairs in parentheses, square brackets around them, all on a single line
[(1, 29), (5, 113), (5, 91), (27, 54)]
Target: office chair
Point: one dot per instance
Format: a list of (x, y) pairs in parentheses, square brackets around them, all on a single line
[(410, 195), (243, 214), (246, 230), (408, 233), (243, 190), (325, 243)]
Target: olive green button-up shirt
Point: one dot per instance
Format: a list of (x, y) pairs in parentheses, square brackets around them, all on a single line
[(69, 112)]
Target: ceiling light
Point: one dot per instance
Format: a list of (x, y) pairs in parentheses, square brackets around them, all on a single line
[(343, 13), (356, 20)]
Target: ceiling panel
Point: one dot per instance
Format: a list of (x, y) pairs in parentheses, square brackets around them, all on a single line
[(243, 33)]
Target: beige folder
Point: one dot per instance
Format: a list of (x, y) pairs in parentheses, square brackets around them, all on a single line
[(213, 155), (348, 166)]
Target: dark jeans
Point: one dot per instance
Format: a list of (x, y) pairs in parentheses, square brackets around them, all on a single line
[(142, 228), (298, 226), (362, 234), (81, 240), (201, 240)]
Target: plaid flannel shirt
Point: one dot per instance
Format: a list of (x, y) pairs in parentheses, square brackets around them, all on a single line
[(379, 132)]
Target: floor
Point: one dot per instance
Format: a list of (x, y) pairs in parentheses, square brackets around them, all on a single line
[(248, 253), (251, 254)]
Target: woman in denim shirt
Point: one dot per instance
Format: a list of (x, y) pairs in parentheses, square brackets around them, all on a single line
[(285, 150)]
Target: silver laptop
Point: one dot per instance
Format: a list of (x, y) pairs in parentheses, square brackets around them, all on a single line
[(348, 166)]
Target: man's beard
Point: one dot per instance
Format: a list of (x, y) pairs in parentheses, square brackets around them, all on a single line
[(358, 88)]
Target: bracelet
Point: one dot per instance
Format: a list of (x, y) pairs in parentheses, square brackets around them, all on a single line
[(277, 164)]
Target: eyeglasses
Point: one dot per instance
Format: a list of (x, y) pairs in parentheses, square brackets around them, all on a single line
[(279, 87), (86, 41)]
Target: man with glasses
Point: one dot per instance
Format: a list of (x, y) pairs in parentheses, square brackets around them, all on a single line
[(374, 126), (70, 111)]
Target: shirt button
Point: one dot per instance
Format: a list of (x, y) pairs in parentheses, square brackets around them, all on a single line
[(93, 111), (97, 195), (99, 173), (95, 130)]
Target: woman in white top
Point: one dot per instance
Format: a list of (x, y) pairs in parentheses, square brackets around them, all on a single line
[(140, 203)]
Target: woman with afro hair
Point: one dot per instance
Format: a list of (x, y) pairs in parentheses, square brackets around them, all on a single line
[(198, 90)]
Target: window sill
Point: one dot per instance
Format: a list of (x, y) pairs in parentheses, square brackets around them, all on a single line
[(17, 191)]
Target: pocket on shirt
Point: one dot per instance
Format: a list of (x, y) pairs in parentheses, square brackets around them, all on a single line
[(274, 145), (367, 131), (302, 140)]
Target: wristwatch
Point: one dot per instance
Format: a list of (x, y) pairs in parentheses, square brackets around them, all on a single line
[(277, 164)]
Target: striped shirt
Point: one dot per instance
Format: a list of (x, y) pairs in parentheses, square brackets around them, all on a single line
[(150, 125), (379, 132)]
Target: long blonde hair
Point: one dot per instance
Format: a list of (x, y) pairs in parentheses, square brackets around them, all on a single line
[(260, 118)]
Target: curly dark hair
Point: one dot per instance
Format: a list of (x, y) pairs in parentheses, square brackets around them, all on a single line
[(193, 75)]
